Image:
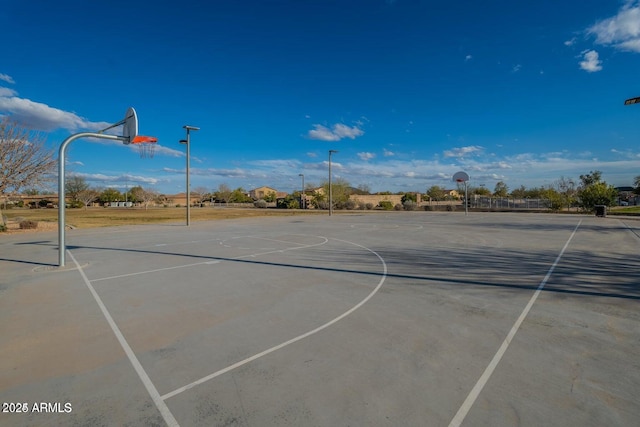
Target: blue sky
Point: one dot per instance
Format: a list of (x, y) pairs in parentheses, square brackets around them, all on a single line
[(408, 91)]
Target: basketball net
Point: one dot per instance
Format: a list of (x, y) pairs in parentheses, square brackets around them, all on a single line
[(146, 146)]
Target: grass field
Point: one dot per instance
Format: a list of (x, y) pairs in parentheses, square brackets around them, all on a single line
[(107, 217)]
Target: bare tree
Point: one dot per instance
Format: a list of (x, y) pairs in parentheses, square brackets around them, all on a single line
[(87, 196), (144, 196), (74, 186), (25, 160)]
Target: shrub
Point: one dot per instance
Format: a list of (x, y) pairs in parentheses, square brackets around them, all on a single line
[(369, 206), (398, 207), (428, 208), (449, 208), (28, 225), (350, 205), (3, 228), (260, 203), (410, 205), (386, 205)]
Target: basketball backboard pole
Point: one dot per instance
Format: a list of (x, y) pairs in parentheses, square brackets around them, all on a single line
[(463, 177), (61, 185), (129, 133)]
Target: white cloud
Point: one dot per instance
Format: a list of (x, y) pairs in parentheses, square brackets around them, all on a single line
[(621, 31), (570, 42), (387, 153), (516, 68), (123, 178), (336, 133), (463, 151), (591, 62), (44, 117), (6, 78), (6, 92), (366, 156), (468, 58)]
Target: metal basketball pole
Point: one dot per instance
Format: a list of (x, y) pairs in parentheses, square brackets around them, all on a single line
[(61, 186)]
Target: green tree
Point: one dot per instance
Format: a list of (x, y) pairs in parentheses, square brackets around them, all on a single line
[(291, 201), (501, 189), (519, 193), (435, 192), (594, 192), (110, 195), (340, 191), (413, 197), (554, 199), (319, 200), (480, 191), (636, 184), (270, 197), (592, 177), (239, 195)]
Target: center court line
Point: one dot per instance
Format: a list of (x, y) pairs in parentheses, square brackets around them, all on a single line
[(142, 374), (484, 378), (293, 340)]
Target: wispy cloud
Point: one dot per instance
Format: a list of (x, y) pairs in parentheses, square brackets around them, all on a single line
[(336, 133), (6, 78), (463, 151), (621, 31), (366, 156), (591, 61), (122, 178)]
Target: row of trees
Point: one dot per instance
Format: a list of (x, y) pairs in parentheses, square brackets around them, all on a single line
[(585, 194), (590, 191), (26, 162)]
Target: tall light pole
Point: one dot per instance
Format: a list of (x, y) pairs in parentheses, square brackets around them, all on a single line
[(330, 189), (188, 144), (303, 199)]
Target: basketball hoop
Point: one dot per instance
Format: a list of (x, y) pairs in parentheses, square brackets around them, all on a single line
[(146, 145)]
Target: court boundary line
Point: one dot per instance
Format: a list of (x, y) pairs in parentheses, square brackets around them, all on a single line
[(137, 366), (486, 375), (292, 340)]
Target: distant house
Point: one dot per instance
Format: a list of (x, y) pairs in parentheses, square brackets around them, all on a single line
[(452, 194), (262, 192)]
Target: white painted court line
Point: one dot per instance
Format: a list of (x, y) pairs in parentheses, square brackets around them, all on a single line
[(293, 340), (484, 378), (142, 374), (212, 261)]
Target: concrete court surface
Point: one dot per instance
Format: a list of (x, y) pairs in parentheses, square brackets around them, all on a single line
[(359, 319)]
